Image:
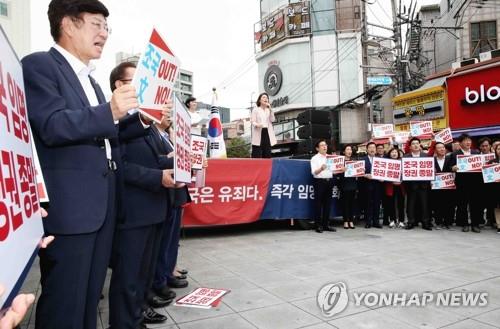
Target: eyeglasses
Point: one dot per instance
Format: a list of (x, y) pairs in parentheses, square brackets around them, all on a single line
[(96, 24), (126, 81)]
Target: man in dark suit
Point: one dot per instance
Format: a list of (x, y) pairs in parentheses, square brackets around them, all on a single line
[(468, 186), (77, 141), (417, 206), (372, 189), (147, 174), (442, 200)]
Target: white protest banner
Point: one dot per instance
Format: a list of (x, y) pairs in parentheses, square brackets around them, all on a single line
[(21, 226), (421, 128), (386, 169), (354, 169), (469, 163), (382, 130), (155, 76), (182, 131), (401, 137), (444, 136), (444, 181), (335, 163), (202, 298), (491, 173), (487, 157), (199, 147), (418, 169)]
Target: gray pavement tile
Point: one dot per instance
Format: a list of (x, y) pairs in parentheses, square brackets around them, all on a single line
[(369, 320), (269, 279), (491, 318), (310, 306), (232, 283), (429, 316), (186, 314), (469, 324), (283, 316), (232, 321), (319, 326), (295, 290), (242, 299)]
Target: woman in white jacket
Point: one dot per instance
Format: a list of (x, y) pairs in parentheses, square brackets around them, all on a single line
[(262, 128)]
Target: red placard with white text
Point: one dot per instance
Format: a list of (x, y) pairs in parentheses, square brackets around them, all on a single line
[(335, 163), (421, 128), (386, 169), (469, 163), (418, 169), (199, 146), (182, 131), (444, 181), (202, 298), (155, 76), (444, 136), (354, 169), (20, 219), (487, 157), (491, 173), (401, 137)]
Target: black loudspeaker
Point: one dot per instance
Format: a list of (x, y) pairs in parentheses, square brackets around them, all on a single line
[(314, 116), (314, 131), (308, 146)]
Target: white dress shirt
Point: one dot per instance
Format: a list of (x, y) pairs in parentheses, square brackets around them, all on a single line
[(316, 162), (195, 123), (83, 71)]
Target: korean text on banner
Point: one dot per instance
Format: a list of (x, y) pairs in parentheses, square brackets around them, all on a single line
[(155, 76), (202, 298), (421, 128), (418, 169), (386, 169), (491, 173), (20, 219), (444, 181), (469, 163), (487, 157), (444, 136), (354, 169), (335, 163), (182, 131), (199, 147), (382, 130)]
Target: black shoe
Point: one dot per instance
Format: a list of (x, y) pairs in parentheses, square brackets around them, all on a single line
[(319, 229), (176, 283), (368, 226), (158, 301), (476, 229), (427, 227), (331, 229), (181, 277), (142, 326), (183, 271), (150, 316), (465, 229), (377, 226), (165, 292)]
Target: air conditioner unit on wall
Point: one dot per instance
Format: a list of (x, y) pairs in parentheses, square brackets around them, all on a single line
[(464, 62), (489, 55)]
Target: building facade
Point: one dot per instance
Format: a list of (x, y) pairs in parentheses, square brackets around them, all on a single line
[(16, 24)]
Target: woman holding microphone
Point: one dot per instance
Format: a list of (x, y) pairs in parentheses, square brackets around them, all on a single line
[(262, 128)]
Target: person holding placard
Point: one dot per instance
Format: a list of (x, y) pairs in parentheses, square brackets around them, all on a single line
[(442, 200), (348, 189), (77, 139), (263, 137), (496, 188), (417, 192), (487, 198), (394, 191), (372, 189), (467, 192), (323, 185)]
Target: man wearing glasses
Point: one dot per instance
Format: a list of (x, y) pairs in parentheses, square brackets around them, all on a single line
[(76, 133)]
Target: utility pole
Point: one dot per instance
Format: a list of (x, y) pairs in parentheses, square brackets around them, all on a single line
[(399, 47), (364, 59)]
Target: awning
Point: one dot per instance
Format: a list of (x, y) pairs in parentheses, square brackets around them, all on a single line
[(494, 130)]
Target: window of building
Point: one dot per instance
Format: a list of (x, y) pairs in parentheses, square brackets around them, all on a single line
[(4, 9), (483, 37)]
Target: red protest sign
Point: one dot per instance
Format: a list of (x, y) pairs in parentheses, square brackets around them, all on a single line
[(469, 163), (199, 146), (444, 181), (382, 130), (444, 136), (386, 169), (335, 163), (421, 128), (418, 169), (354, 169), (491, 173)]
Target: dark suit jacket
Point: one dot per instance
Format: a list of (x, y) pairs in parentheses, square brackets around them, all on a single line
[(446, 166), (417, 185), (146, 199), (464, 180), (68, 135), (369, 184)]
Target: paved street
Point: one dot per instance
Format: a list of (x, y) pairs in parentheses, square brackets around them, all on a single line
[(275, 272)]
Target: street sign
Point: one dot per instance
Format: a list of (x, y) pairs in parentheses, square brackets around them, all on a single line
[(382, 80)]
